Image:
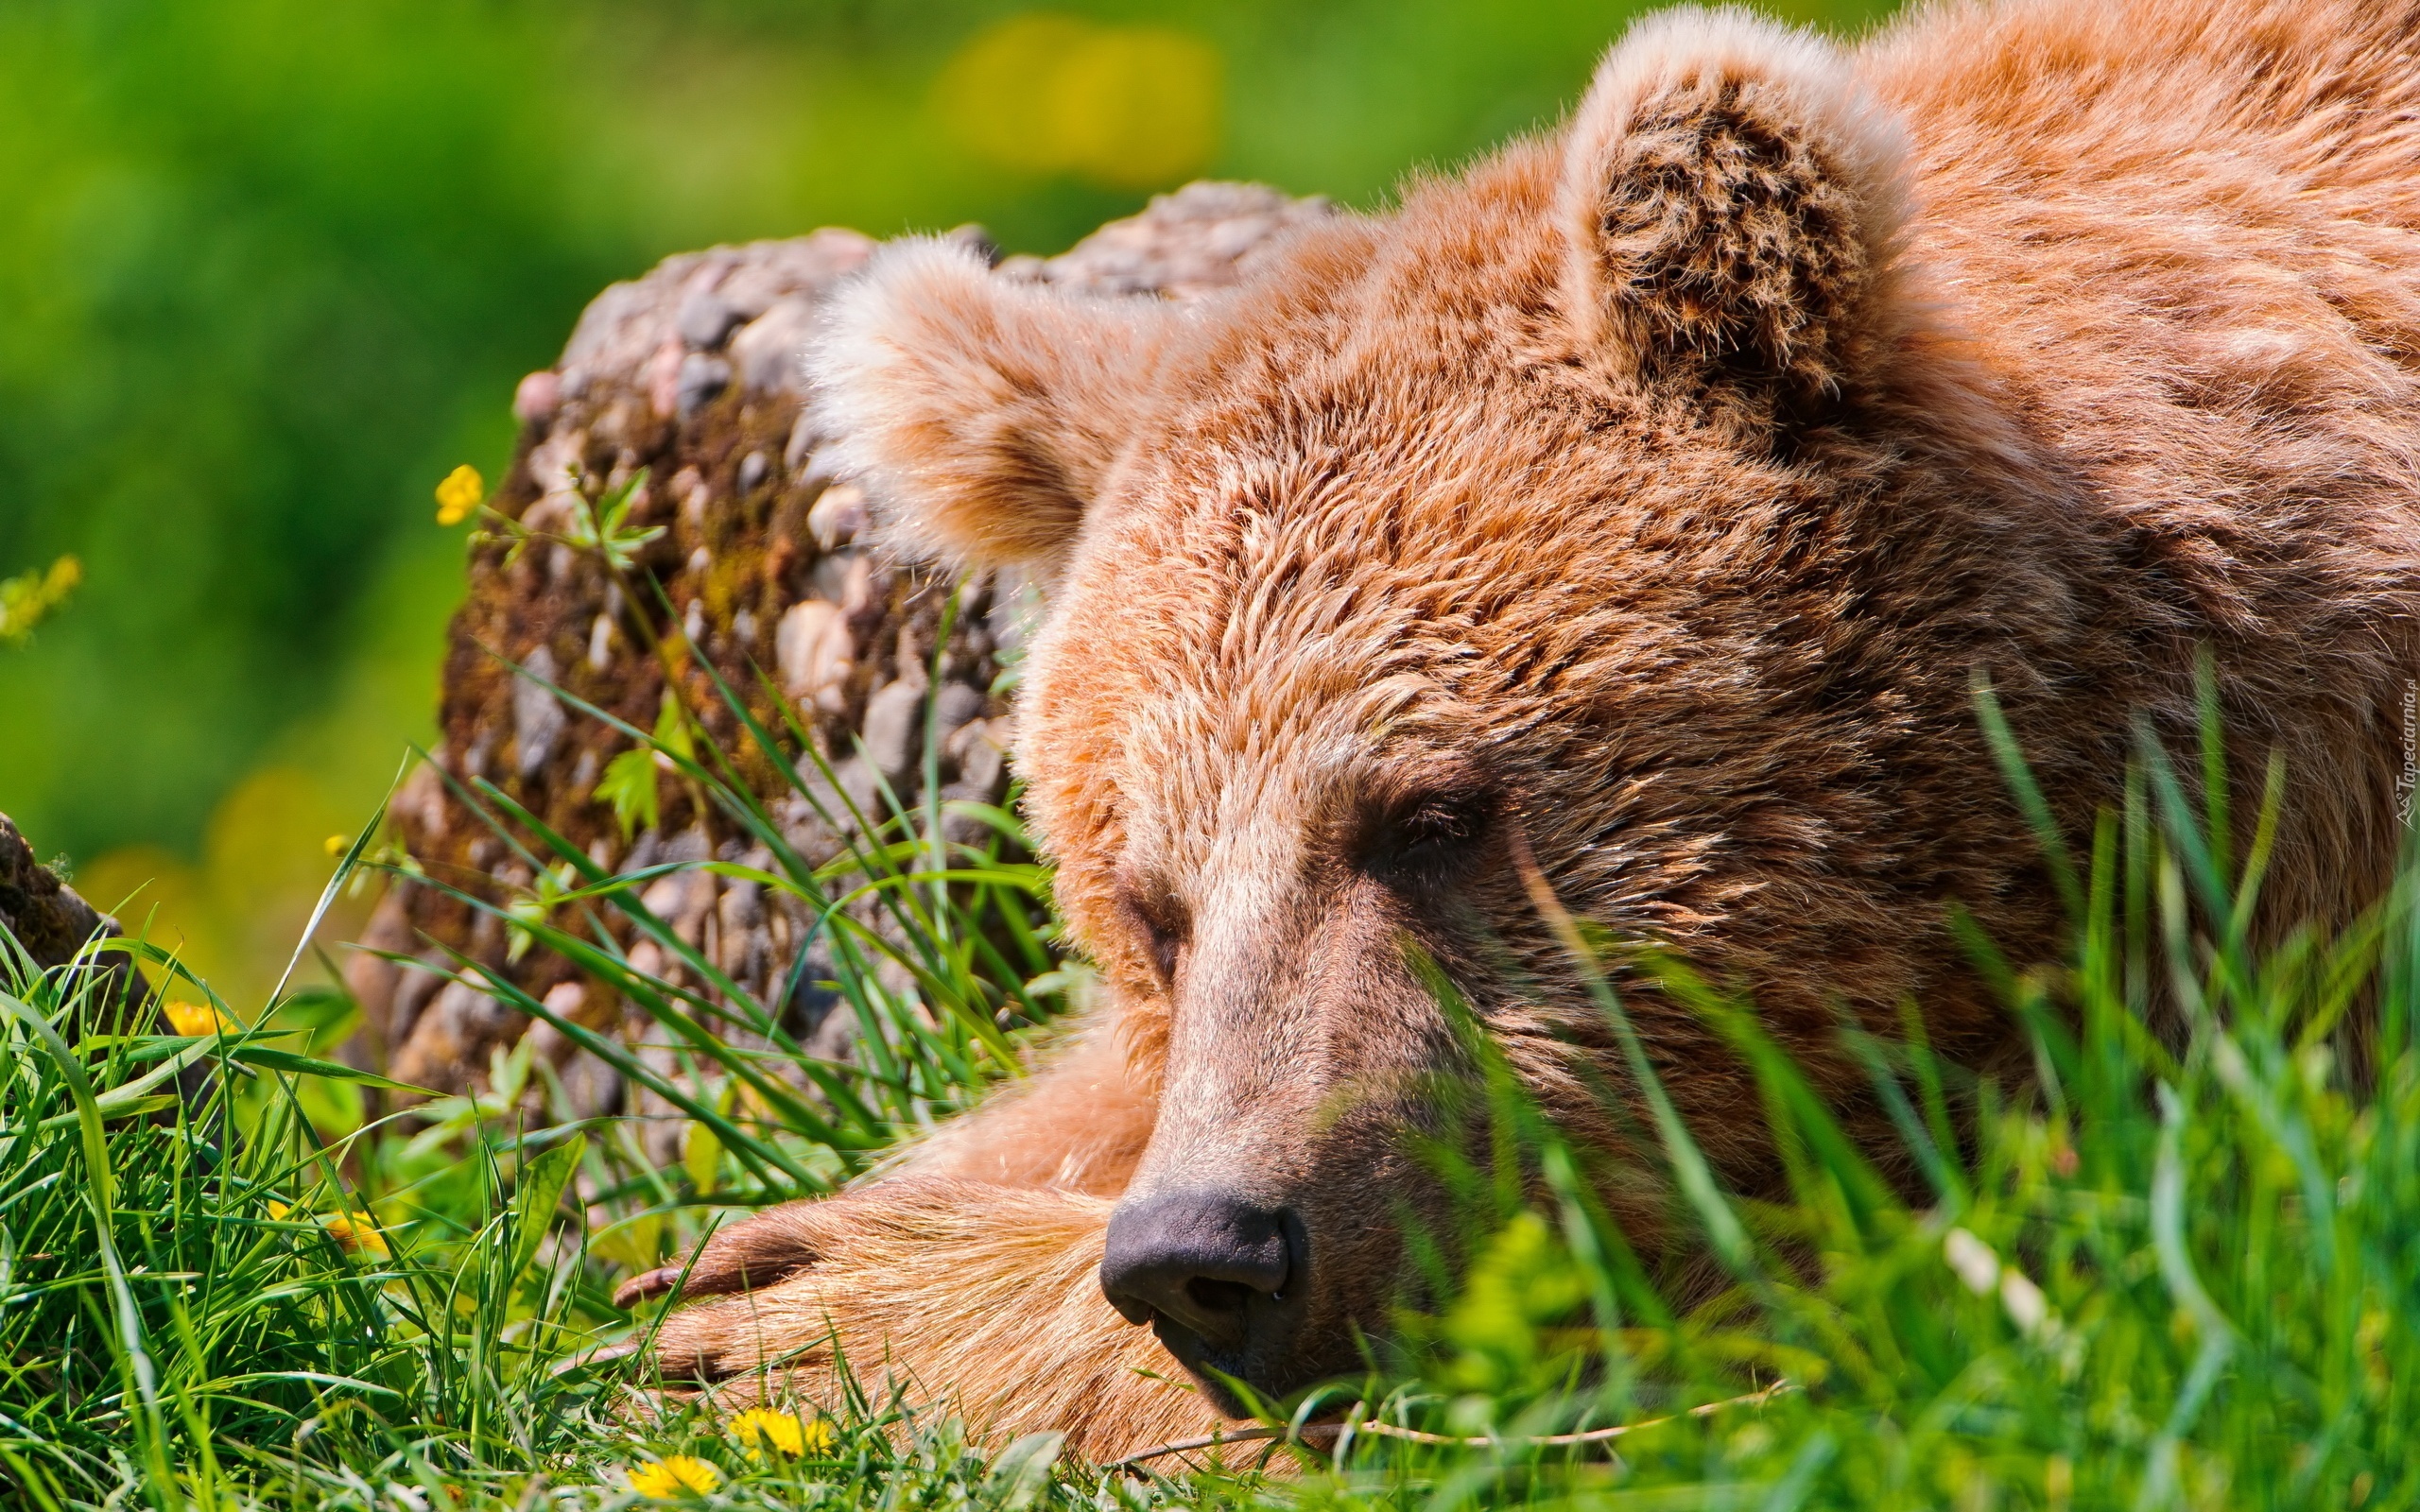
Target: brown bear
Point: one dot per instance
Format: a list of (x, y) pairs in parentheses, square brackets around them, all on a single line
[(1634, 512)]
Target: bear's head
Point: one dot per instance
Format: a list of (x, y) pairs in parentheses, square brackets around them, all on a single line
[(1553, 528)]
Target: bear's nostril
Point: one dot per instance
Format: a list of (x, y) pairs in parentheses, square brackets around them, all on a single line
[(1197, 1259), (1217, 1297)]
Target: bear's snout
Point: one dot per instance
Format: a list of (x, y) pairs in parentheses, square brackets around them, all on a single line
[(1207, 1268)]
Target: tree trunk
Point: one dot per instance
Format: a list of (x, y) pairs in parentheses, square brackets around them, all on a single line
[(691, 374)]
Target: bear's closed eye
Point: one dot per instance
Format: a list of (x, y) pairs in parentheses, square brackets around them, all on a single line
[(1428, 833), (1161, 922)]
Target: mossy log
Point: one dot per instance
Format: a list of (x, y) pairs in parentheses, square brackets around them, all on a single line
[(692, 373)]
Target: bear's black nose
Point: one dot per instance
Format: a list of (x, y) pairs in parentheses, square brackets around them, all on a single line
[(1197, 1259)]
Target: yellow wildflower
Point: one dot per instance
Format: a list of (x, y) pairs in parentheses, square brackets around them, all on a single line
[(28, 598), (668, 1477), (461, 492), (335, 845), (782, 1431), (356, 1232), (194, 1020)]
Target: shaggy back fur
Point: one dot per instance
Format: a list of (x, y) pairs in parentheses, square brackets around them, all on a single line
[(1643, 502)]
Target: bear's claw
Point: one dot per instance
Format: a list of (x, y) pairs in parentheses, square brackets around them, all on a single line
[(639, 1288), (759, 1252)]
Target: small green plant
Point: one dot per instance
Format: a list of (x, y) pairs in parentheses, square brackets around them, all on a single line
[(630, 783), (604, 526), (599, 525)]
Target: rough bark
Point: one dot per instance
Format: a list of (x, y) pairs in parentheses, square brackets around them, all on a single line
[(48, 921), (692, 373)]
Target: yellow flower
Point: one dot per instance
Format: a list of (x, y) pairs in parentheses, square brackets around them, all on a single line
[(28, 598), (356, 1232), (335, 845), (460, 493), (668, 1477), (782, 1431), (194, 1020)]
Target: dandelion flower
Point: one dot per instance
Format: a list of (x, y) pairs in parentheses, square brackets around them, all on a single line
[(670, 1476), (194, 1020), (782, 1431), (355, 1232), (461, 492)]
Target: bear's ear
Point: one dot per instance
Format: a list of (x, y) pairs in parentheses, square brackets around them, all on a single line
[(1729, 195), (981, 414)]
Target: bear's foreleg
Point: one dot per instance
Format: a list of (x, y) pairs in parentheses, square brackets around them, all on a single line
[(1077, 1125), (967, 1272), (983, 1301)]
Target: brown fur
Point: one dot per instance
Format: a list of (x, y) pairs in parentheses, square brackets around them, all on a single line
[(1648, 496)]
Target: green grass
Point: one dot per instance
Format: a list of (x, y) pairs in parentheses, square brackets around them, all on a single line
[(2173, 1269)]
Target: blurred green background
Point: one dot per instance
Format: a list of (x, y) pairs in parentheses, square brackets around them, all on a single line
[(268, 268)]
